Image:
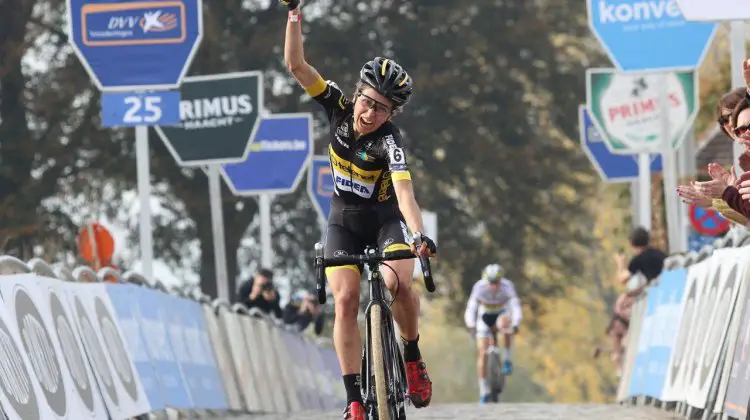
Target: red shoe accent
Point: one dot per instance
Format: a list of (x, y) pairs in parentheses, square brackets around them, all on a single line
[(354, 411), (420, 386)]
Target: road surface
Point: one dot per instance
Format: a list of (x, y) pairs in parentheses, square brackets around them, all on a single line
[(509, 411)]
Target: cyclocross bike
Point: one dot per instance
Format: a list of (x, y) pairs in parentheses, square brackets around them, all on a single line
[(495, 378), (384, 387)]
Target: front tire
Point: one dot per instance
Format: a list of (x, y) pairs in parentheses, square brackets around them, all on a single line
[(378, 361)]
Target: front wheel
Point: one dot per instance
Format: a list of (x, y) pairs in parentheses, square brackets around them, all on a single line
[(378, 362), (495, 377)]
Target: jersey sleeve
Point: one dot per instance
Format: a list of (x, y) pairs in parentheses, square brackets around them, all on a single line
[(396, 156), (516, 312), (470, 315), (328, 94)]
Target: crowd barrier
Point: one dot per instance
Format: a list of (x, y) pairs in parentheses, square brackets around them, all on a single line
[(73, 347), (688, 346)]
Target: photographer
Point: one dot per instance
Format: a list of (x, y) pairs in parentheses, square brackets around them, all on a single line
[(259, 292), (302, 310)]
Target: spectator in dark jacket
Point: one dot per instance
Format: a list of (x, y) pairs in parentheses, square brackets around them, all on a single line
[(302, 310), (646, 261), (259, 292)]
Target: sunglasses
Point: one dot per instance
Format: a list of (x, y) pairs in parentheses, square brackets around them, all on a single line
[(376, 106), (741, 130)]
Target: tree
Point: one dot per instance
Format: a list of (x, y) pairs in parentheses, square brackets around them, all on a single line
[(49, 133)]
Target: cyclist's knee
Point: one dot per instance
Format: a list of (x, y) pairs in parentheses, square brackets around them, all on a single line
[(344, 284), (504, 321), (482, 345), (401, 270)]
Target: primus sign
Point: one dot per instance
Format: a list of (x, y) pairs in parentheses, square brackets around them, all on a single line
[(215, 111), (625, 108), (219, 115)]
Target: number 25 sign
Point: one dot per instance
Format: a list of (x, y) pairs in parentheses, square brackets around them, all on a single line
[(133, 109)]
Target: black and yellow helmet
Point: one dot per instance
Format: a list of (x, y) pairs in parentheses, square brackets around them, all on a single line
[(388, 78)]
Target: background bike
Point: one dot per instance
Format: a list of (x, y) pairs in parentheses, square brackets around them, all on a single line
[(494, 378), (384, 387)]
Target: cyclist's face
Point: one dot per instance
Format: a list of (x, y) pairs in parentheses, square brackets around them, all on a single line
[(371, 110), (494, 285)]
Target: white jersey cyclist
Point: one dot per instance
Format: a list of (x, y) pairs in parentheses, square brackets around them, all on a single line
[(492, 297)]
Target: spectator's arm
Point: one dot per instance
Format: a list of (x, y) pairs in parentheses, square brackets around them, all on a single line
[(731, 196), (243, 295), (290, 314), (276, 309), (623, 276), (730, 214)]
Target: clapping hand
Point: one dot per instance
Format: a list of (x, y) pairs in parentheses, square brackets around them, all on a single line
[(691, 195)]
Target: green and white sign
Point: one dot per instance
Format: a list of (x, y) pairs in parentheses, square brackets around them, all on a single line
[(625, 108)]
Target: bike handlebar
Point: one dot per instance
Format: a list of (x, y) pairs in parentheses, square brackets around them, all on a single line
[(368, 258)]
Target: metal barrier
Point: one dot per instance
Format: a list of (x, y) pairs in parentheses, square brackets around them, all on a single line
[(688, 346), (99, 345)]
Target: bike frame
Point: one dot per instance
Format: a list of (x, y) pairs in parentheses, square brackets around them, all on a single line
[(397, 383)]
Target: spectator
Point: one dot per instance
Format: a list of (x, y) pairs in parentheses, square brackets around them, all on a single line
[(259, 292), (696, 192), (302, 310), (646, 261)]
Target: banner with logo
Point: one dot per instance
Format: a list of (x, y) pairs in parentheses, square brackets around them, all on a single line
[(634, 332), (223, 358), (675, 388), (124, 301), (738, 388), (219, 115), (722, 295), (667, 316), (103, 339), (258, 366), (96, 351), (642, 356), (732, 334), (44, 373), (241, 353), (202, 368), (625, 110)]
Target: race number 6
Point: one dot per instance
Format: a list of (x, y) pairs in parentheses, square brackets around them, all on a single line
[(142, 109), (397, 155)]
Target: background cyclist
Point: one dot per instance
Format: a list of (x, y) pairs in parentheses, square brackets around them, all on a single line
[(493, 306)]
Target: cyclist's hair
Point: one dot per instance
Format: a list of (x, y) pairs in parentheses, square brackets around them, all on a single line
[(725, 107), (741, 106), (639, 237), (265, 273)]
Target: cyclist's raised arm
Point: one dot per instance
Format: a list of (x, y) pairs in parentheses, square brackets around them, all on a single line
[(472, 306), (294, 53)]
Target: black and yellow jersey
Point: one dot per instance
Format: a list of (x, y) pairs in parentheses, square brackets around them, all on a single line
[(363, 169)]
